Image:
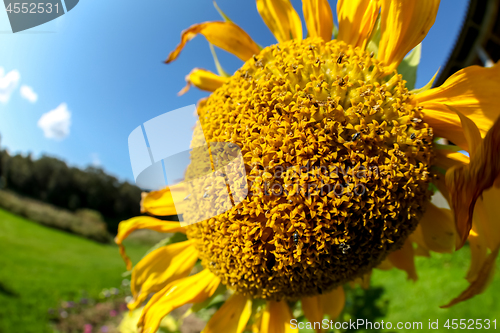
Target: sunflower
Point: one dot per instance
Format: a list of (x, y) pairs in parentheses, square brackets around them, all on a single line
[(326, 105)]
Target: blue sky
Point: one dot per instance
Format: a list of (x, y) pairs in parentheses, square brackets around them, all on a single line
[(101, 67)]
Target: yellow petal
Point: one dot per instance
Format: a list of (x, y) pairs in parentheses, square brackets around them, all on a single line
[(447, 159), (385, 265), (483, 279), (204, 80), (232, 317), (467, 183), (404, 259), (161, 203), (404, 24), (281, 18), (478, 251), (313, 309), (363, 281), (276, 318), (438, 229), (226, 35), (471, 132), (333, 302), (319, 18), (422, 251), (356, 20), (417, 237), (125, 228), (473, 91), (440, 183), (159, 268), (192, 289), (256, 322), (486, 215)]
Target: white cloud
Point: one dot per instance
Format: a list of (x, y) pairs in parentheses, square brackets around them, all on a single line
[(55, 124), (28, 93), (8, 83), (96, 162)]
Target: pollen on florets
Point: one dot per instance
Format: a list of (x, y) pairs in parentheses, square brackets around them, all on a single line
[(337, 169)]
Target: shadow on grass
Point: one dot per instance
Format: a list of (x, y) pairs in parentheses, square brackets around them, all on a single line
[(367, 305), (4, 290)]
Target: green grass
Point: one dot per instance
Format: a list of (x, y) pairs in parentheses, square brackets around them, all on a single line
[(39, 267)]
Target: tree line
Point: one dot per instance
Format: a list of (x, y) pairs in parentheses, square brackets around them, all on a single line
[(51, 180)]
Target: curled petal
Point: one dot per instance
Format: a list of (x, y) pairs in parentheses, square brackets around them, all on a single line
[(226, 35), (125, 228), (404, 24), (159, 268), (204, 80), (484, 277), (281, 18), (473, 91), (356, 20), (192, 289), (232, 317), (467, 183), (319, 18)]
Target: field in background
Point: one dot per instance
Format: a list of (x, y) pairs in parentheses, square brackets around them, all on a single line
[(40, 267), (84, 222)]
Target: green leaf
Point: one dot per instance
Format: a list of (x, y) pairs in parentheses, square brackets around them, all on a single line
[(221, 13), (375, 38), (335, 32), (217, 297), (427, 86), (409, 65), (220, 70), (175, 238), (455, 149)]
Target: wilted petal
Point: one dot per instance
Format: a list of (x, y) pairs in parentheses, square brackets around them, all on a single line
[(125, 228), (204, 80), (226, 35)]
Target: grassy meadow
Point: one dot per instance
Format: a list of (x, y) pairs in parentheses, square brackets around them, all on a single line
[(40, 267)]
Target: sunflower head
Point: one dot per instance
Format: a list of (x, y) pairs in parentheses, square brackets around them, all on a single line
[(335, 156), (337, 159)]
